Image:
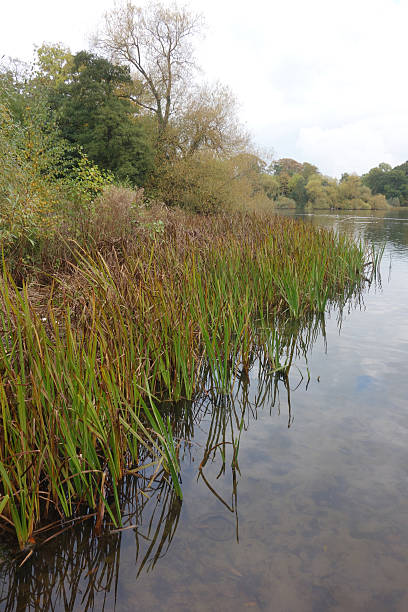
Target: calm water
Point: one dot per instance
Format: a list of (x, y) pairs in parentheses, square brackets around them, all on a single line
[(316, 516)]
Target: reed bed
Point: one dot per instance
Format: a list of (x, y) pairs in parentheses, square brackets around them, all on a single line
[(84, 358)]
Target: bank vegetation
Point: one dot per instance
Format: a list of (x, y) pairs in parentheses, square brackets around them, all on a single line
[(139, 253)]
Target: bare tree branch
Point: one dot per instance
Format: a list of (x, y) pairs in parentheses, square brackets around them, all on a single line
[(157, 43)]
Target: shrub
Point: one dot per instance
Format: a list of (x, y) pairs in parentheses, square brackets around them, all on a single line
[(378, 202), (114, 213), (321, 203), (28, 193), (284, 202)]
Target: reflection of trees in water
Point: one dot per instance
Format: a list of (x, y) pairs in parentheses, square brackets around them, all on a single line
[(378, 226), (80, 571)]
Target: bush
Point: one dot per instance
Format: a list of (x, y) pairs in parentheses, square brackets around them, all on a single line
[(355, 204), (321, 203), (47, 187), (28, 191), (363, 205), (114, 213), (284, 202), (378, 202), (207, 184)]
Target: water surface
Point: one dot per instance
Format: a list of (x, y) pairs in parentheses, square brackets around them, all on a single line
[(315, 515)]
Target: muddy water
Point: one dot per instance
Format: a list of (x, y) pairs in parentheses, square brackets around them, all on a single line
[(315, 515)]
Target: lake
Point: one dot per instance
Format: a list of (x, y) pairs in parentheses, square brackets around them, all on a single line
[(310, 514)]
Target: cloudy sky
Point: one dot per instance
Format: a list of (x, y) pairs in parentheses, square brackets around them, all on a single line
[(323, 81)]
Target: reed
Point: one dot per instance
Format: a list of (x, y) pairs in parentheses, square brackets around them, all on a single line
[(84, 359)]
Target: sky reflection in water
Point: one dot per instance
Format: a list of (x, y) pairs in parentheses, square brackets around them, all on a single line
[(314, 517)]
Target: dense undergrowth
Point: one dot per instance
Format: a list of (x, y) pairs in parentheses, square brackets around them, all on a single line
[(86, 352)]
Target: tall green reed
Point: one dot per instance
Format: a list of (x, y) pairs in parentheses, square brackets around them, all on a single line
[(82, 360)]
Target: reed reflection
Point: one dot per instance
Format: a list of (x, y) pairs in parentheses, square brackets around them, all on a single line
[(79, 570), (264, 381)]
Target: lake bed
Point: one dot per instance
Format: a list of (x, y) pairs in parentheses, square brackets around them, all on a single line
[(314, 516)]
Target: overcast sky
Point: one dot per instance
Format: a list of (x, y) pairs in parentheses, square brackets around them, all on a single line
[(323, 81)]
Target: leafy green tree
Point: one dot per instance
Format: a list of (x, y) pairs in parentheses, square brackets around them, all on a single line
[(53, 65), (32, 185), (297, 190), (390, 182), (293, 177), (396, 186), (376, 178), (351, 187), (403, 167), (308, 170), (354, 194), (14, 75), (92, 115), (271, 185), (321, 192), (287, 166)]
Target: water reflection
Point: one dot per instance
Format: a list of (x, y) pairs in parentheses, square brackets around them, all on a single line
[(77, 570), (378, 227), (80, 571), (294, 478)]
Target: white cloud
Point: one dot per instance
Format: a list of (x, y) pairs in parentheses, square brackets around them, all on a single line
[(322, 80), (25, 23), (356, 146)]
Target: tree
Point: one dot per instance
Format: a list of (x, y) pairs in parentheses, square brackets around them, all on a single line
[(156, 42), (287, 165), (297, 189), (93, 116), (388, 181), (403, 167), (270, 185), (376, 178), (53, 65), (32, 184), (206, 183), (320, 195), (193, 126), (209, 122), (308, 170), (283, 178), (14, 75), (354, 194)]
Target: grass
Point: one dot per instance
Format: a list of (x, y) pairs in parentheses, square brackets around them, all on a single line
[(85, 357)]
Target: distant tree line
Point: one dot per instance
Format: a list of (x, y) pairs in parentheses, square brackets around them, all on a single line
[(390, 182), (292, 184), (132, 112)]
